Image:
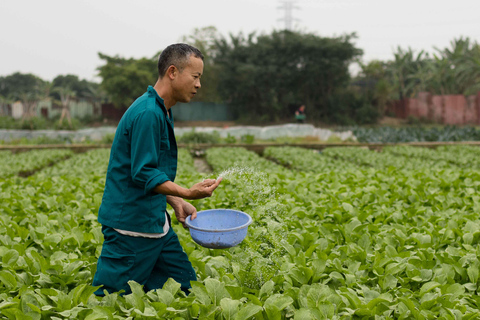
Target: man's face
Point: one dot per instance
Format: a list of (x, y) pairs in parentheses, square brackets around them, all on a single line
[(187, 82)]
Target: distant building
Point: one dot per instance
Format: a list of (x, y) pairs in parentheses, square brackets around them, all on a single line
[(17, 110), (78, 109)]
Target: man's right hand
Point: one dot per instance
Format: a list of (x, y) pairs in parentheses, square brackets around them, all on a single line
[(203, 189)]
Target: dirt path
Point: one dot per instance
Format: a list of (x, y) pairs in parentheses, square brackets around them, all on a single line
[(202, 166)]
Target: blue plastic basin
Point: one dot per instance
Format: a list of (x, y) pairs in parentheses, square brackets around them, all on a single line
[(219, 228)]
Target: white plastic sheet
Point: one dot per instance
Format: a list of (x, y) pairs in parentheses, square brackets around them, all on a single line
[(264, 133)]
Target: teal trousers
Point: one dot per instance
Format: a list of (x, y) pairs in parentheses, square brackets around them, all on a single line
[(147, 261)]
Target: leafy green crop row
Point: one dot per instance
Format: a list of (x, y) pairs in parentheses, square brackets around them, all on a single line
[(368, 158), (463, 156), (26, 162), (5, 153), (302, 159)]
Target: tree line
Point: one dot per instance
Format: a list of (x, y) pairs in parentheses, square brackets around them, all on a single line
[(265, 77), (261, 77), (30, 89), (454, 70)]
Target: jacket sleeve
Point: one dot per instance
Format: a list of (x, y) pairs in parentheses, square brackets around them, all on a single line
[(146, 132)]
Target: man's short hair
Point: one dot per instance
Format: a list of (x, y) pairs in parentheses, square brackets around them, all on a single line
[(178, 55)]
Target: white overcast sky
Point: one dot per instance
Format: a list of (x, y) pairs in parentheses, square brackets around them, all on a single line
[(52, 37)]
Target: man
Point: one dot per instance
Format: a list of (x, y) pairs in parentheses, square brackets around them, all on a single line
[(300, 114), (139, 242)]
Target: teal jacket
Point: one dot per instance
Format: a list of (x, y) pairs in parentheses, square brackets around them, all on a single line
[(144, 155)]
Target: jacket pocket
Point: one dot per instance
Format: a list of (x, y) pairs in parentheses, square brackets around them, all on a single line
[(164, 143)]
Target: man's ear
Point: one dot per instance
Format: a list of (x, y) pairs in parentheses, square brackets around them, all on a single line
[(172, 72)]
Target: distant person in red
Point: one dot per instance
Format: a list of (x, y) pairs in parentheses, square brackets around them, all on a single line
[(300, 114)]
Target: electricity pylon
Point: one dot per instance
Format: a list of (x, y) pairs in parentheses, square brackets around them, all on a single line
[(288, 6)]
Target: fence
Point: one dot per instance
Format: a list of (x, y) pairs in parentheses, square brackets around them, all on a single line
[(445, 109), (194, 111)]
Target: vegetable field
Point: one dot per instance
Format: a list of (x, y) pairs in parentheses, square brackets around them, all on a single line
[(416, 134), (347, 233)]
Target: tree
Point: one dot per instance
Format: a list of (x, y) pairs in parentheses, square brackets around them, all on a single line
[(464, 62), (31, 99), (66, 88), (454, 70), (205, 39), (4, 102), (401, 70), (16, 84), (124, 80), (82, 88), (95, 95), (373, 82), (262, 76), (66, 94), (469, 72), (25, 87)]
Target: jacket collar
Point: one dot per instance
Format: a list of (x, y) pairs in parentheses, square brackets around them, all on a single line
[(161, 103)]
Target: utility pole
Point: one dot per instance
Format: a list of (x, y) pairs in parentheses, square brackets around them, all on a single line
[(288, 6)]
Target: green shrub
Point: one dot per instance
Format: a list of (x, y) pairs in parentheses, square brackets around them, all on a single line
[(8, 123), (65, 125), (247, 138), (108, 138), (194, 137), (34, 123), (348, 107), (334, 139), (412, 120), (37, 141), (367, 114), (230, 139)]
